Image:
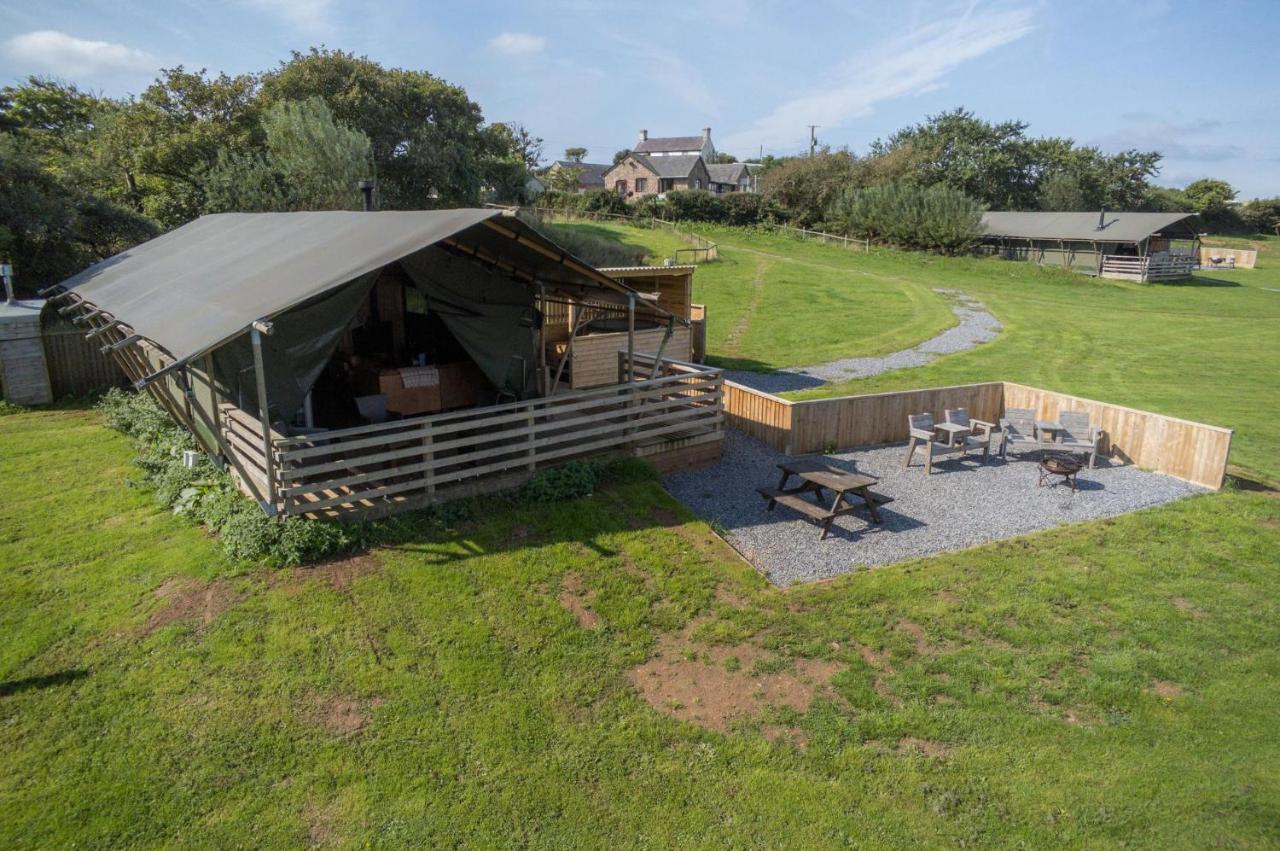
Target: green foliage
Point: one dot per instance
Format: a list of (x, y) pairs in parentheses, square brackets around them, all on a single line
[(594, 248), (1164, 199), (806, 187), (737, 209), (575, 155), (1000, 166), (1209, 196), (619, 156), (578, 479), (1061, 192), (1261, 215), (937, 218), (591, 201), (207, 496), (309, 162)]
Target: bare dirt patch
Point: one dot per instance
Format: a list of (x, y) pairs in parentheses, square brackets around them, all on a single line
[(781, 733), (339, 574), (346, 716), (191, 600), (576, 600), (730, 599), (711, 685), (666, 517), (948, 597), (935, 750), (1189, 607), (1165, 689)]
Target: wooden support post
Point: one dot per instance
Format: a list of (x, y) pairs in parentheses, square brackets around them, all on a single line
[(631, 336), (542, 340), (530, 437), (428, 458), (264, 413)]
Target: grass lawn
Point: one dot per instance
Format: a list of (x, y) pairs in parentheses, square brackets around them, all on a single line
[(1206, 350), (1103, 684)]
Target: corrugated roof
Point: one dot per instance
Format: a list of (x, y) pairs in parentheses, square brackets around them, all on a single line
[(592, 173), (1120, 227), (666, 144)]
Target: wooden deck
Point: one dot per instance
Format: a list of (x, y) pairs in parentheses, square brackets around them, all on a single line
[(1164, 267), (674, 418)]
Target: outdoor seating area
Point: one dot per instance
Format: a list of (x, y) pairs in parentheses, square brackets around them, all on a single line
[(872, 510)]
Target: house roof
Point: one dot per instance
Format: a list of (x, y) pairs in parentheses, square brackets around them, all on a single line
[(199, 286), (677, 167), (1119, 227), (727, 172), (669, 144), (592, 173)]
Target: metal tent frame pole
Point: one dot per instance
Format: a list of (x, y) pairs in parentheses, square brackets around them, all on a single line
[(264, 415)]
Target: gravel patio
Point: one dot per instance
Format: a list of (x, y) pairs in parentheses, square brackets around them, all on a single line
[(962, 504)]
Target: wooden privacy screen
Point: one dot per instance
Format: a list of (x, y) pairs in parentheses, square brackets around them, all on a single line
[(1186, 450)]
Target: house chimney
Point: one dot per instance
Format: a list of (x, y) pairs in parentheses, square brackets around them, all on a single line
[(644, 135), (1102, 219), (706, 134), (366, 189)]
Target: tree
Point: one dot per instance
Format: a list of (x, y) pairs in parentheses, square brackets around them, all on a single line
[(722, 157), (1261, 215), (805, 187), (1209, 197), (575, 155), (936, 218), (1164, 199), (310, 162), (518, 141), (563, 178), (429, 140), (621, 155), (1061, 191)]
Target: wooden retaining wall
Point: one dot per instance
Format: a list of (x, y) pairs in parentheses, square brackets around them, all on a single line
[(1180, 448), (1183, 449)]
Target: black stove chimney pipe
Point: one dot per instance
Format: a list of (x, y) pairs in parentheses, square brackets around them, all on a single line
[(366, 189), (1102, 219)]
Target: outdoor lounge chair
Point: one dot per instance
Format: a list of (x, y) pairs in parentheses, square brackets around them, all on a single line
[(1077, 435), (1018, 431), (921, 430), (978, 428)]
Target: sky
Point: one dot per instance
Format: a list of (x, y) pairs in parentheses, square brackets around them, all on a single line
[(1193, 80)]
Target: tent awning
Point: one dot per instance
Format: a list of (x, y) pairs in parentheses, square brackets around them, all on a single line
[(196, 287)]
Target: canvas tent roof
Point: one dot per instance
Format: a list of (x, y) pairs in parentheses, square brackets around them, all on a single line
[(1120, 227), (205, 283)]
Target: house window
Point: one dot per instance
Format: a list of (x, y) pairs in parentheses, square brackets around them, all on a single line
[(642, 184), (620, 187), (665, 184), (697, 183)]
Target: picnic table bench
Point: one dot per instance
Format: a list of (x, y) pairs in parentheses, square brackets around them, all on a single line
[(817, 476)]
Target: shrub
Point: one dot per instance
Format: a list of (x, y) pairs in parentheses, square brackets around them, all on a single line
[(806, 187), (567, 481), (937, 218), (206, 494), (595, 249)]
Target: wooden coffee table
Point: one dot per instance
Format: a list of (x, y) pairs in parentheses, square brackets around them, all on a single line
[(817, 476), (1058, 464)]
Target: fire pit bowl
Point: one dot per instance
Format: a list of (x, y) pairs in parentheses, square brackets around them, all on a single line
[(1059, 464)]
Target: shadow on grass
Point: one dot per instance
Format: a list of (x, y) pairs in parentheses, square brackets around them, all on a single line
[(1199, 281), (42, 682)]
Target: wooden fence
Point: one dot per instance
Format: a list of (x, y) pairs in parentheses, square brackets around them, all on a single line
[(374, 469), (77, 367), (1240, 258), (1164, 267), (1183, 449)]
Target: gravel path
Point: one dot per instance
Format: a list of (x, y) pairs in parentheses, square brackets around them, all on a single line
[(962, 504), (976, 326)]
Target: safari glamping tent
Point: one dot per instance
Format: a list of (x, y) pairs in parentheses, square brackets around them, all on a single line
[(1127, 246), (355, 364)]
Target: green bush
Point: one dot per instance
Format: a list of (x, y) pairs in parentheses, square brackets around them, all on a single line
[(580, 478), (206, 494), (740, 209), (936, 218), (593, 248)]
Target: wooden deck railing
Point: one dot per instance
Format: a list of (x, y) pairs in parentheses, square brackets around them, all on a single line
[(374, 469), (1165, 267)]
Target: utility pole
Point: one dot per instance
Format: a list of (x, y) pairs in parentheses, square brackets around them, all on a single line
[(813, 139)]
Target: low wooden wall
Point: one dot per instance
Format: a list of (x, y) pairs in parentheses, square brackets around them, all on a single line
[(1245, 257), (77, 367), (1183, 449)]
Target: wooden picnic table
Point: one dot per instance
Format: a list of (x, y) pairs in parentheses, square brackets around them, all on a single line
[(817, 476)]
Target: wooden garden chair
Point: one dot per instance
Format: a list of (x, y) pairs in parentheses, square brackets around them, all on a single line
[(1018, 431), (1078, 435), (921, 432), (981, 429)]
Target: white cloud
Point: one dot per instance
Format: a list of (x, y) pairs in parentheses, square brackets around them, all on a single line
[(911, 64), (65, 55), (674, 76), (518, 44), (310, 16)]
